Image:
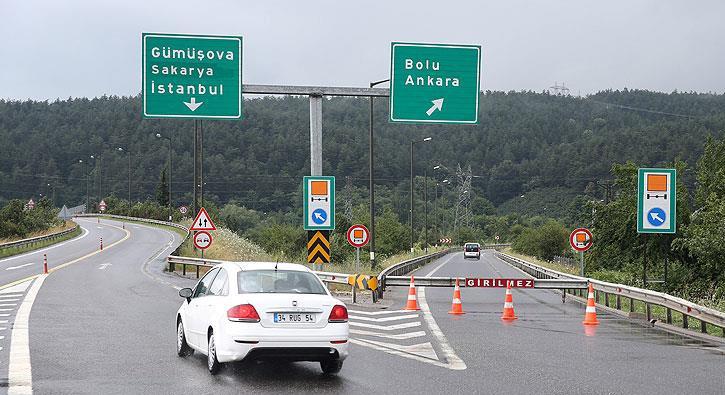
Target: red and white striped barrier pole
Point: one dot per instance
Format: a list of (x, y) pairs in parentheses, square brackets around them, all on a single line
[(45, 264)]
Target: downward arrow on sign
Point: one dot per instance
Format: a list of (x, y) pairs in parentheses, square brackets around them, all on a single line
[(193, 105)]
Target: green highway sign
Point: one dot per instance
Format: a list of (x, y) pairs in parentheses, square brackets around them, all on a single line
[(319, 204), (191, 76), (434, 83), (657, 201)]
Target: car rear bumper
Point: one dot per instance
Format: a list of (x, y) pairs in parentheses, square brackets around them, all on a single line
[(252, 341)]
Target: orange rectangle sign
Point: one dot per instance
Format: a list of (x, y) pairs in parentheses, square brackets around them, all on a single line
[(657, 182), (357, 233), (318, 188), (581, 237)]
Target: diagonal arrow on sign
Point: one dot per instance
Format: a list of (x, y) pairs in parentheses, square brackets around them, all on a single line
[(437, 105)]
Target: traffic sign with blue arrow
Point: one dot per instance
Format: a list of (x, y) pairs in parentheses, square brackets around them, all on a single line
[(319, 216), (656, 216)]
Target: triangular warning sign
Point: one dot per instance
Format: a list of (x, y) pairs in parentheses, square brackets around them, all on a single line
[(202, 221)]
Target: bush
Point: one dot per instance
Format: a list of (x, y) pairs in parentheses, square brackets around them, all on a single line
[(543, 242), (17, 222)]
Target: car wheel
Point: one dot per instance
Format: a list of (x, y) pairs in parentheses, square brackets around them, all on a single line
[(211, 361), (331, 366), (182, 347)]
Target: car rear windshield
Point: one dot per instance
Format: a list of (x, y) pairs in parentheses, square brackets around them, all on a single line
[(471, 247), (279, 281)]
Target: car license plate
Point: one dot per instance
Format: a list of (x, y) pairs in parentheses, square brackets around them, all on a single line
[(295, 318)]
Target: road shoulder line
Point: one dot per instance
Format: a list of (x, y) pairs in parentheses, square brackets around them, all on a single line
[(454, 361), (20, 377)]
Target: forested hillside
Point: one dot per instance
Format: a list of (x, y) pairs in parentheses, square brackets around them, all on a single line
[(547, 148)]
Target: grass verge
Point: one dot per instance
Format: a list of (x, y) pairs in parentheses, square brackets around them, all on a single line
[(10, 251)]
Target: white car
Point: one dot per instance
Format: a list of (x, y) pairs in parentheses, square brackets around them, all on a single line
[(254, 310), (472, 250)]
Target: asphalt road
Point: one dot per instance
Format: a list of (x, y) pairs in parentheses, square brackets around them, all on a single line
[(24, 265), (106, 325)]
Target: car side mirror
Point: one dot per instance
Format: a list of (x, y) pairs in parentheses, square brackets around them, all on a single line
[(186, 293)]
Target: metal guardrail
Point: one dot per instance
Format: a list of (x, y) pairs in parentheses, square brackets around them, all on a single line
[(688, 309), (125, 218), (173, 261), (34, 240)]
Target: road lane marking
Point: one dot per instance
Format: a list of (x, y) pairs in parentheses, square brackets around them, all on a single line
[(400, 336), (8, 304), (18, 289), (4, 315), (7, 309), (383, 319), (20, 378), (386, 328), (394, 349), (18, 267), (11, 295), (103, 266), (454, 362), (83, 234), (377, 312)]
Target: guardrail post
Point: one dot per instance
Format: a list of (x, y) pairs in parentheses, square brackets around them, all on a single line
[(669, 316), (183, 269), (354, 294), (685, 323), (197, 271), (619, 302), (606, 299), (631, 305), (648, 310), (172, 267), (703, 326)]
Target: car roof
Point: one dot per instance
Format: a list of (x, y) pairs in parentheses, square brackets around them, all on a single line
[(472, 244), (247, 266)]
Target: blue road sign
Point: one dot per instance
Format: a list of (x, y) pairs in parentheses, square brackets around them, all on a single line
[(319, 216), (656, 216)]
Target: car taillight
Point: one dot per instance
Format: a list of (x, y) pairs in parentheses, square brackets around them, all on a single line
[(338, 314), (243, 313)]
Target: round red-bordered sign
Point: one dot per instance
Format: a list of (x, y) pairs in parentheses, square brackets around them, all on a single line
[(580, 239), (202, 240), (358, 236)]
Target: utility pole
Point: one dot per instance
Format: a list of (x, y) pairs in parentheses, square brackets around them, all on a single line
[(315, 135), (198, 178), (371, 158)]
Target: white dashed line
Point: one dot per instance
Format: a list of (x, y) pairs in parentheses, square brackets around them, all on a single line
[(19, 266)]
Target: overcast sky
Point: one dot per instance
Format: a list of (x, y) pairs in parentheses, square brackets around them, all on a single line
[(74, 48)]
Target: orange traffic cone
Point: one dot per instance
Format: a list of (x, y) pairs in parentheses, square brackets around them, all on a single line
[(457, 307), (508, 306), (412, 298), (590, 317)]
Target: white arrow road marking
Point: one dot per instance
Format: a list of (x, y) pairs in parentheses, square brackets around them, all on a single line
[(401, 336), (386, 328), (19, 266), (103, 266), (193, 105), (437, 105), (384, 319), (377, 312)]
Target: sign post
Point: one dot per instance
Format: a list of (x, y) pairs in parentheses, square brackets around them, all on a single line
[(192, 76), (358, 236), (434, 83), (657, 201), (581, 240)]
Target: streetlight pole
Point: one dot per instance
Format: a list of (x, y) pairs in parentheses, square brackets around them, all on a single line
[(371, 190), (158, 135), (425, 200), (85, 172), (128, 153), (412, 208)]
